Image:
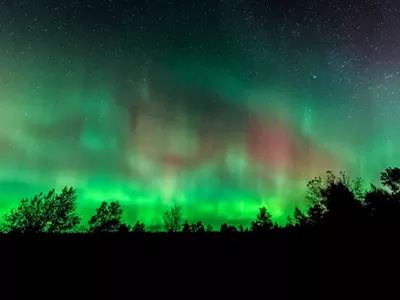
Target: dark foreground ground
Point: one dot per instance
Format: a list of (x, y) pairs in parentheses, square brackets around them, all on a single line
[(352, 263)]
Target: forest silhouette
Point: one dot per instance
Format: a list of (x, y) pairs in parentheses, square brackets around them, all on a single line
[(332, 200), (344, 244)]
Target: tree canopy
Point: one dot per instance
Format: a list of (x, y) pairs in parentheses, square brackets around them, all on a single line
[(44, 213)]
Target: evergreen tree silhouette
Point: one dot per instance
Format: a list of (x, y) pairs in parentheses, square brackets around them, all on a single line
[(263, 222), (108, 218), (299, 219), (50, 213), (172, 219)]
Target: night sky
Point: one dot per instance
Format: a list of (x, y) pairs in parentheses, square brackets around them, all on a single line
[(219, 106)]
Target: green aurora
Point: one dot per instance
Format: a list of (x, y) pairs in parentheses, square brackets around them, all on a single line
[(207, 125)]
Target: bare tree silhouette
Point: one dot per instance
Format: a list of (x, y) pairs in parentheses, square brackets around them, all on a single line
[(172, 219)]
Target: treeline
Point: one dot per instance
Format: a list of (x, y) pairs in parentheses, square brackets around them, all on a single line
[(332, 200)]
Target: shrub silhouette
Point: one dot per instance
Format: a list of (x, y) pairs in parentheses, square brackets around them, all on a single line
[(209, 228), (139, 227), (242, 229), (198, 227), (108, 218), (124, 228), (195, 227), (225, 228), (50, 213)]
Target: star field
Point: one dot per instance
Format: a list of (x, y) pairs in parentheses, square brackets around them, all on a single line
[(220, 106)]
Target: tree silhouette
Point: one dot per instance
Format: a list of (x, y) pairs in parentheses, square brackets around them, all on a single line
[(139, 227), (124, 228), (225, 228), (186, 227), (333, 199), (108, 218), (51, 213), (342, 206), (390, 179), (290, 222), (299, 219), (315, 214), (383, 204), (357, 189), (172, 219), (209, 228), (197, 227), (378, 206), (263, 221)]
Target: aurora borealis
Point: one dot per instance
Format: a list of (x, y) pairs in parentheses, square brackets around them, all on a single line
[(219, 106)]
